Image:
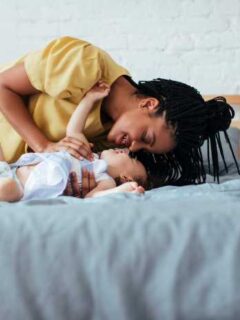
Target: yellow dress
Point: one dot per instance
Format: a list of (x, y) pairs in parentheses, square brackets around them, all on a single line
[(63, 71)]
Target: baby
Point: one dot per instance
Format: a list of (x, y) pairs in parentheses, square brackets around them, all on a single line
[(45, 175)]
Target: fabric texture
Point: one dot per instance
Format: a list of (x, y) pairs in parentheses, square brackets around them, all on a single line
[(7, 172), (63, 72), (170, 254)]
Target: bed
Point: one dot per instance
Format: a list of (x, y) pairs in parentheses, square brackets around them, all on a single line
[(173, 253)]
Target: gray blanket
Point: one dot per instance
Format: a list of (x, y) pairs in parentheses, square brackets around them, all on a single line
[(173, 253)]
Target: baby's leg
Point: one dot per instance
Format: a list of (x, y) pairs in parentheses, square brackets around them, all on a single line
[(10, 190)]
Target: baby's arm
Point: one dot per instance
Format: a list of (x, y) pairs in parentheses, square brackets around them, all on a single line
[(78, 119), (106, 187)]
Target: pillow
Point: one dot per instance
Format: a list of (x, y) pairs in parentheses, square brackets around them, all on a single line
[(234, 136)]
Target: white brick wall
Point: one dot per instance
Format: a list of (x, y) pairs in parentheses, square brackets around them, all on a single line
[(195, 41)]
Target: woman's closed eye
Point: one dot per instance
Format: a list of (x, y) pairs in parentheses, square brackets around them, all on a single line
[(145, 138)]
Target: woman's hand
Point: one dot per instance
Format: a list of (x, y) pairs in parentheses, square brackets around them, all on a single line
[(77, 148), (79, 190)]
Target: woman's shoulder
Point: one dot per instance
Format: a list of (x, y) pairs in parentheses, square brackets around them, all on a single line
[(70, 43)]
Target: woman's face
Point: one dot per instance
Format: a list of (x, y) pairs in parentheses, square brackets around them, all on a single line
[(140, 129)]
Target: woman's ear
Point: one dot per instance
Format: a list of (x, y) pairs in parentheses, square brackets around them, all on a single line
[(150, 103)]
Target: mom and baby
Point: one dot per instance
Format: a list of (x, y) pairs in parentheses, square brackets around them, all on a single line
[(74, 122)]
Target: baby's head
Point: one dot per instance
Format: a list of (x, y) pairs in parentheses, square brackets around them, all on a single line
[(122, 167)]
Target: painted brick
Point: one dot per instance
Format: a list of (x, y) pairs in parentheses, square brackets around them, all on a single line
[(197, 41)]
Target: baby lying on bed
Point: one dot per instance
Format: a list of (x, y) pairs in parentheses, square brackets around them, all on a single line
[(45, 175)]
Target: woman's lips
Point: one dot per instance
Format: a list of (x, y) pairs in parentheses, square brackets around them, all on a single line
[(124, 139)]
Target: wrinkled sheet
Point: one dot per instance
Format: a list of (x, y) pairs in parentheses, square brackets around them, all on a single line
[(173, 253)]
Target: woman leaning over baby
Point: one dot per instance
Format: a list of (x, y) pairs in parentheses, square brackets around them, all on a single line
[(168, 120)]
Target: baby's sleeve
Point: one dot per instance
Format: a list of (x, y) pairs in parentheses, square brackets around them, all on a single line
[(66, 67), (5, 170)]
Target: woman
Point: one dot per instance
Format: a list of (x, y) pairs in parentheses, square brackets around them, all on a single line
[(40, 91)]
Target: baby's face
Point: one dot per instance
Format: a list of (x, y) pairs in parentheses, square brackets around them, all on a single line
[(121, 164)]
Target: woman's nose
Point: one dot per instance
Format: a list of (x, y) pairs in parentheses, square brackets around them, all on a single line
[(135, 146)]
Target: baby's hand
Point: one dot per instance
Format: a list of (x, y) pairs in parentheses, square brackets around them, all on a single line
[(132, 187), (99, 91)]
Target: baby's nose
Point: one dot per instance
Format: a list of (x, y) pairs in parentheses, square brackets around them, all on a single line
[(125, 150)]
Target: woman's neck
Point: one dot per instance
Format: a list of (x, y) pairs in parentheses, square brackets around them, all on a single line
[(119, 99)]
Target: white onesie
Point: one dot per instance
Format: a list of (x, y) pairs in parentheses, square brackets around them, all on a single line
[(49, 177)]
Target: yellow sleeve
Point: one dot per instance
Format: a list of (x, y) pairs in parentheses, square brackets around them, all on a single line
[(67, 67)]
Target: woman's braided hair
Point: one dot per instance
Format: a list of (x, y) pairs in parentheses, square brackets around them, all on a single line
[(193, 121)]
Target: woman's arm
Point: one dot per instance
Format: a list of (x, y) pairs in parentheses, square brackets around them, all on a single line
[(14, 84)]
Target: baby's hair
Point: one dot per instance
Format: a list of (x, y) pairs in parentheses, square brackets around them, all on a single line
[(193, 121), (120, 180)]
